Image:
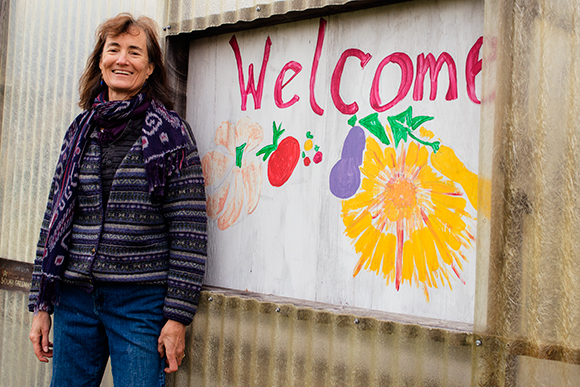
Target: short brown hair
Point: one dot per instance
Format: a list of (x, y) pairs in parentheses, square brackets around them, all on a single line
[(156, 86)]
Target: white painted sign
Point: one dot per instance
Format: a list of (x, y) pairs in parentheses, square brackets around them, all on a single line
[(341, 157)]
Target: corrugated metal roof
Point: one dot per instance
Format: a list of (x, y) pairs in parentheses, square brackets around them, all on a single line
[(189, 16)]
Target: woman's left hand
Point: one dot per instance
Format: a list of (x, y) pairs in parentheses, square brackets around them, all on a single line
[(171, 344)]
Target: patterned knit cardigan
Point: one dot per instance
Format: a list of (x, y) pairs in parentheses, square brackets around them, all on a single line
[(137, 240)]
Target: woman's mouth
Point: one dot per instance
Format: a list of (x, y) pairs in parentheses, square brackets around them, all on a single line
[(122, 72)]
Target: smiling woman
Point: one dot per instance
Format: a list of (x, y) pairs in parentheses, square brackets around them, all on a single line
[(141, 40), (122, 247)]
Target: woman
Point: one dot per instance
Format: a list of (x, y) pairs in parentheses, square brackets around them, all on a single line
[(122, 247)]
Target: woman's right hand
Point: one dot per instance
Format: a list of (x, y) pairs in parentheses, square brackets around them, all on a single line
[(41, 324)]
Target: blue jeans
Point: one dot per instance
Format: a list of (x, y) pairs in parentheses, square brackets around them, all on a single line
[(120, 321)]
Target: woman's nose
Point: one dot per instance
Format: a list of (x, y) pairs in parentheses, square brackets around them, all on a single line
[(122, 58)]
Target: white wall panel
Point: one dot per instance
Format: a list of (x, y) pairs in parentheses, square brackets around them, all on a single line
[(293, 243)]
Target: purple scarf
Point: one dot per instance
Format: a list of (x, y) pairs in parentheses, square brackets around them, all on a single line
[(112, 118), (164, 143)]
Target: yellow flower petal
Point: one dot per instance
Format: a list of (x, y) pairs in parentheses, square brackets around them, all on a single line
[(419, 256), (412, 155), (446, 162), (408, 260)]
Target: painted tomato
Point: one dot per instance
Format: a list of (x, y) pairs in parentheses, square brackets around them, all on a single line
[(283, 161)]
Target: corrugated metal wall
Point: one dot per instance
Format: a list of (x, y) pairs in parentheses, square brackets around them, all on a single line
[(18, 365), (239, 341), (46, 49), (528, 307)]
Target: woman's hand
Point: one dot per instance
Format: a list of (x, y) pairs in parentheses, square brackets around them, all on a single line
[(41, 324), (171, 344)]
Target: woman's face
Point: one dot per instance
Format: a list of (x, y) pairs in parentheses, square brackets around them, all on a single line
[(125, 64)]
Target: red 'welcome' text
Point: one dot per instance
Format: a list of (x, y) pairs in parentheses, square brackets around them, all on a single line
[(424, 63)]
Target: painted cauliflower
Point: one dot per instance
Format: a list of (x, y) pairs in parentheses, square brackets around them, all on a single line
[(233, 174)]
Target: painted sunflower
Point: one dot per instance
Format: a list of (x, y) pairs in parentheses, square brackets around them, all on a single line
[(408, 220)]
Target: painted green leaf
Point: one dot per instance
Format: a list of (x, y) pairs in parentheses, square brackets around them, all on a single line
[(419, 120), (240, 154), (268, 149), (403, 125), (400, 126), (373, 125)]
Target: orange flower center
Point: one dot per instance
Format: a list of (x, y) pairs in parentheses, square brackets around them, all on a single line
[(400, 198)]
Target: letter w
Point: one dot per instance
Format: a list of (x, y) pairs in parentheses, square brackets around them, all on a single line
[(251, 89), (424, 64)]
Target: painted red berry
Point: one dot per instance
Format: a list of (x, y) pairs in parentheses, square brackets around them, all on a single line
[(317, 157)]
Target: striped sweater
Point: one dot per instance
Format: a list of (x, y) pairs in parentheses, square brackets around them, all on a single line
[(137, 238)]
